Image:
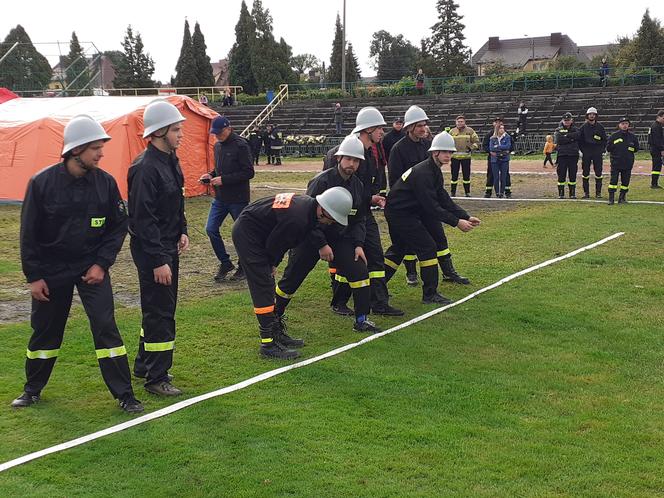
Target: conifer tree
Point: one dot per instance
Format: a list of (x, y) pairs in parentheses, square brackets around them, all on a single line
[(203, 66), (334, 71), (446, 44), (186, 72), (76, 64), (24, 68), (240, 71), (135, 67)]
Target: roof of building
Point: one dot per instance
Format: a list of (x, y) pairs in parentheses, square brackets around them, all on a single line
[(517, 52)]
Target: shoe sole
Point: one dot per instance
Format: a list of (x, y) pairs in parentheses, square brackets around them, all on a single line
[(280, 357), (460, 282), (343, 313), (159, 393), (443, 303)]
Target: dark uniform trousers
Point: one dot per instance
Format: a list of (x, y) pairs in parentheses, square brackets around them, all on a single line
[(595, 158), (373, 250), (464, 165), (260, 281), (409, 233), (567, 167), (657, 161), (157, 338), (48, 321), (489, 178), (303, 259), (625, 176)]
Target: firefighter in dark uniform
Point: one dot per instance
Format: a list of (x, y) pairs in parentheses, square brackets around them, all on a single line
[(265, 230), (267, 143), (343, 247), (393, 136), (622, 146), (276, 144), (497, 121), (73, 223), (566, 139), (255, 142), (369, 127), (158, 231), (592, 142), (416, 199), (409, 151), (656, 144), (233, 169)]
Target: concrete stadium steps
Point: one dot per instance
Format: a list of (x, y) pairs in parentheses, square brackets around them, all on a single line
[(315, 117)]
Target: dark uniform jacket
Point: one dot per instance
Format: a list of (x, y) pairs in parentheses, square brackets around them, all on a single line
[(279, 223), (156, 207), (276, 139), (420, 193), (69, 224), (369, 172), (356, 229), (255, 141), (622, 146), (592, 138), (656, 137), (404, 154), (567, 140), (233, 163), (391, 138)]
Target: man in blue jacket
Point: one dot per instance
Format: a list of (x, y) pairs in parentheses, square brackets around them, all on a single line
[(233, 168)]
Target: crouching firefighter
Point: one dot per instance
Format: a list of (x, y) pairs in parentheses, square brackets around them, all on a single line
[(416, 204), (342, 247), (262, 234), (73, 223)]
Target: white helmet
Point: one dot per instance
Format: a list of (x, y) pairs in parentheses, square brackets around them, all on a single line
[(591, 110), (351, 146), (81, 130), (368, 117), (443, 141), (159, 114), (338, 203), (413, 115)]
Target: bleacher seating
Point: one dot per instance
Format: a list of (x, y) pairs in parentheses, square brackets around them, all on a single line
[(315, 117)]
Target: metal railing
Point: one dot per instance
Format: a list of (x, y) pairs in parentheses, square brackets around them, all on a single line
[(267, 111), (211, 92)]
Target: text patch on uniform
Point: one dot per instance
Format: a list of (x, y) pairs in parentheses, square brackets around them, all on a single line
[(97, 222), (282, 201)]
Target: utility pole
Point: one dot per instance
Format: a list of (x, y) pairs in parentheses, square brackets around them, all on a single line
[(343, 50)]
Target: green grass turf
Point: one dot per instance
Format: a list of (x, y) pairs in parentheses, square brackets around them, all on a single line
[(548, 386)]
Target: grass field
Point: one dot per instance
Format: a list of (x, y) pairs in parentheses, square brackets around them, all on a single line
[(548, 386)]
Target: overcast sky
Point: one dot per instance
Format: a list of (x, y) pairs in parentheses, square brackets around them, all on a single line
[(308, 25)]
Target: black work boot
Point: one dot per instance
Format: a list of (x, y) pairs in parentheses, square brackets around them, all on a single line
[(342, 309), (453, 190), (386, 310), (508, 193), (586, 188), (163, 388), (131, 405), (622, 198), (561, 191), (366, 326), (487, 193), (466, 189), (271, 348), (412, 280), (282, 336), (598, 189), (436, 298), (612, 196), (654, 181), (278, 161), (223, 271), (238, 275), (449, 273), (25, 399), (572, 192)]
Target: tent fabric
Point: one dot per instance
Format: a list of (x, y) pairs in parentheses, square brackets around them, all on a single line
[(6, 95), (31, 133)]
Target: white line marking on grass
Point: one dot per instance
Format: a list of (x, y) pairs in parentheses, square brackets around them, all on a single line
[(273, 373), (514, 199)]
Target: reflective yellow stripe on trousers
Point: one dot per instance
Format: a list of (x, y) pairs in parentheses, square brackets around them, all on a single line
[(156, 347), (42, 354), (111, 352)]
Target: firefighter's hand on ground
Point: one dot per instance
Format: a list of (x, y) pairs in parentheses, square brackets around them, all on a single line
[(216, 181), (94, 275), (39, 290), (183, 244), (474, 221), (163, 275), (359, 254), (378, 200), (326, 253), (465, 225)]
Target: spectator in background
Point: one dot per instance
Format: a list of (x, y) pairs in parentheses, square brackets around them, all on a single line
[(499, 148), (203, 99), (522, 112), (267, 143), (549, 146), (604, 72), (419, 82), (255, 142), (393, 136), (228, 99), (338, 118)]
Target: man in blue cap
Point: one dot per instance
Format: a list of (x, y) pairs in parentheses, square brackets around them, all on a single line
[(233, 168)]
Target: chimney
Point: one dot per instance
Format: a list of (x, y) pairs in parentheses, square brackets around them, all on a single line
[(494, 43), (556, 39)]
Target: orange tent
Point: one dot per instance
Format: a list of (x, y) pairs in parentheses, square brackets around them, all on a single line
[(31, 137)]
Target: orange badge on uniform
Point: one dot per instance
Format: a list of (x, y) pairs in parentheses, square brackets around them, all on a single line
[(282, 201)]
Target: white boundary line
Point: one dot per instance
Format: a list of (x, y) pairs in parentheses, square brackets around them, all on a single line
[(273, 373)]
